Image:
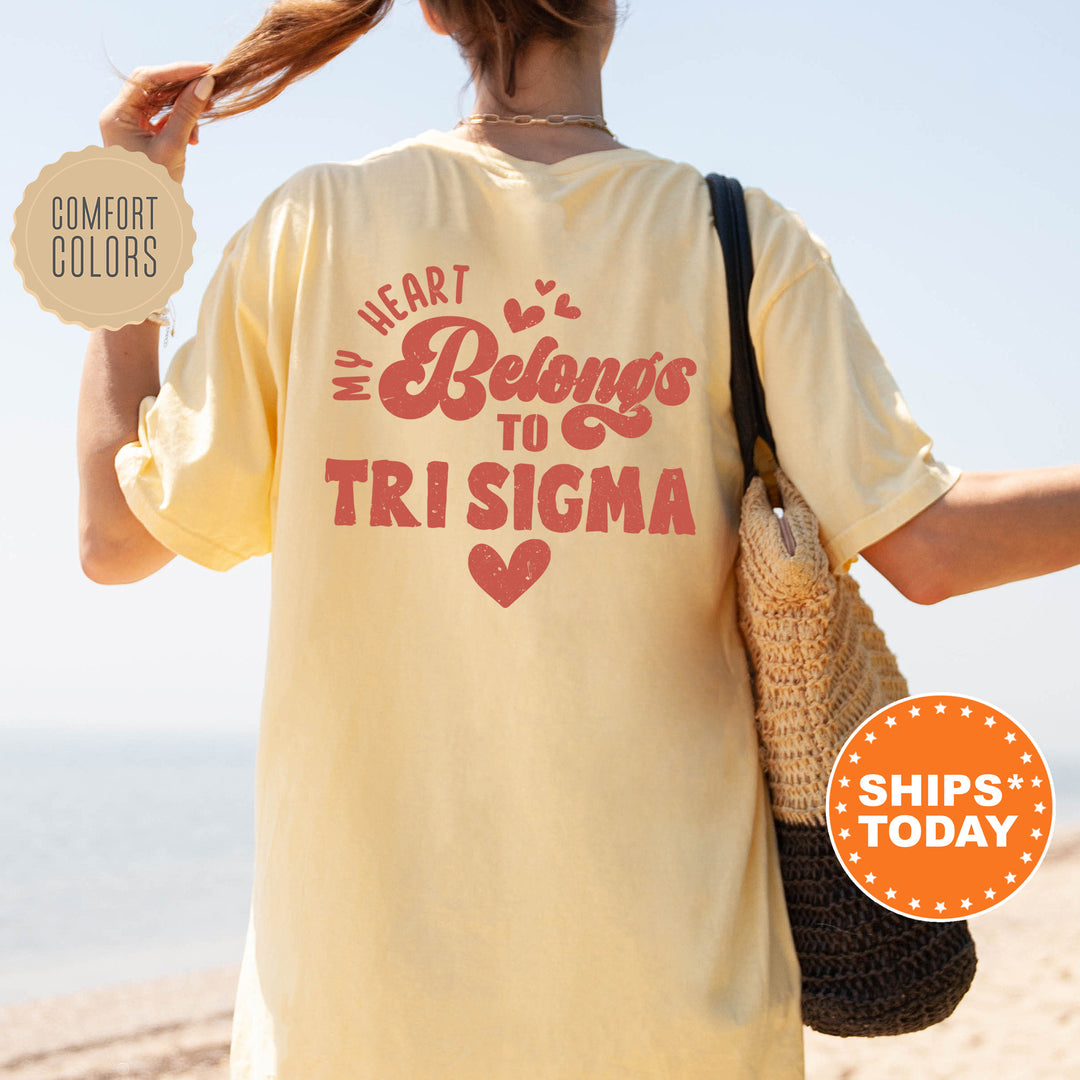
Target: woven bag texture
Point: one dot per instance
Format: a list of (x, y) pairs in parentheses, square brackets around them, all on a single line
[(821, 667), (865, 970)]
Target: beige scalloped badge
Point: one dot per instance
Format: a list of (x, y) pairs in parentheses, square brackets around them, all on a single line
[(103, 237)]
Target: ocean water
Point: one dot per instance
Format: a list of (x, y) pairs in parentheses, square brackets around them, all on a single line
[(128, 856), (122, 856)]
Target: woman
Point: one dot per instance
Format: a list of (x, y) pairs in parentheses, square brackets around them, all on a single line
[(472, 393)]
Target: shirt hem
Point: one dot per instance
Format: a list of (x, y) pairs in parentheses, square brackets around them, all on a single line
[(175, 537), (932, 484)]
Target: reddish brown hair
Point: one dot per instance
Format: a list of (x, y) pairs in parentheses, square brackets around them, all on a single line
[(295, 37)]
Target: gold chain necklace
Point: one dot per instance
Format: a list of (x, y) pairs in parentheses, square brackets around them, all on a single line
[(555, 120)]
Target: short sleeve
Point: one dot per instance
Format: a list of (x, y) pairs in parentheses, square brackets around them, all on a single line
[(201, 475), (844, 434)]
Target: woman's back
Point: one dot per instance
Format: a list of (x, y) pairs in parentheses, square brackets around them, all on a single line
[(510, 818)]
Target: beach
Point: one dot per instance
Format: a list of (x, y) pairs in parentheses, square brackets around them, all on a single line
[(1020, 1019), (176, 1027)]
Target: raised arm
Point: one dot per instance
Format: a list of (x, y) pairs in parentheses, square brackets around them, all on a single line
[(121, 366), (988, 529)]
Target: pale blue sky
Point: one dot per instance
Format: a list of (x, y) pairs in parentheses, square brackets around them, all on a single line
[(932, 145)]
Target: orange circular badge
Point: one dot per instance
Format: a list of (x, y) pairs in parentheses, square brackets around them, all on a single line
[(940, 807)]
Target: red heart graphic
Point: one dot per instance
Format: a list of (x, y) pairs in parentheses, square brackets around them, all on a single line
[(504, 584), (544, 287), (564, 308), (517, 319)]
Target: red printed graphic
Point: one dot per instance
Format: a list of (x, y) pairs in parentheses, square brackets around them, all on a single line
[(454, 364), (505, 583), (351, 387), (447, 359), (345, 358), (519, 320), (564, 308), (387, 311), (561, 496)]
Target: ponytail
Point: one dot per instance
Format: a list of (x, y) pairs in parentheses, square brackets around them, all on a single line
[(494, 33), (295, 37)]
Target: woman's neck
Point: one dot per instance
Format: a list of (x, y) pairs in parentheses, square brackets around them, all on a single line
[(550, 81)]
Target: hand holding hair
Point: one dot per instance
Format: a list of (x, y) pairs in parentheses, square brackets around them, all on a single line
[(129, 120)]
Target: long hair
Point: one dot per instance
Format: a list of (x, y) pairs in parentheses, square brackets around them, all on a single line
[(296, 37)]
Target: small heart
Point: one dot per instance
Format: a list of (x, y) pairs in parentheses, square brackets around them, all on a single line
[(504, 584), (517, 319), (564, 308), (544, 287)]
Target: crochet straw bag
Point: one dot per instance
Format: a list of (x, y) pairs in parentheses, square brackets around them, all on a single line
[(820, 667)]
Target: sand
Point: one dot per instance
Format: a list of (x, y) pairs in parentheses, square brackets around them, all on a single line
[(177, 1027), (1021, 1019)]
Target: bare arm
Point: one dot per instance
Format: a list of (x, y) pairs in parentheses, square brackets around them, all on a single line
[(988, 529), (121, 366)]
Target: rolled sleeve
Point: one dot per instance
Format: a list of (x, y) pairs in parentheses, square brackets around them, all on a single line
[(844, 434), (201, 476)]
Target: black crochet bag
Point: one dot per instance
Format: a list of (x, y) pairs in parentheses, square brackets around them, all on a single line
[(865, 969)]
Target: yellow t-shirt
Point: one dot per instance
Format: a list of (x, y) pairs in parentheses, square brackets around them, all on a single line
[(510, 823)]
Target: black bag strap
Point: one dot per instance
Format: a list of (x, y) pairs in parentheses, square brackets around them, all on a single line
[(747, 393)]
